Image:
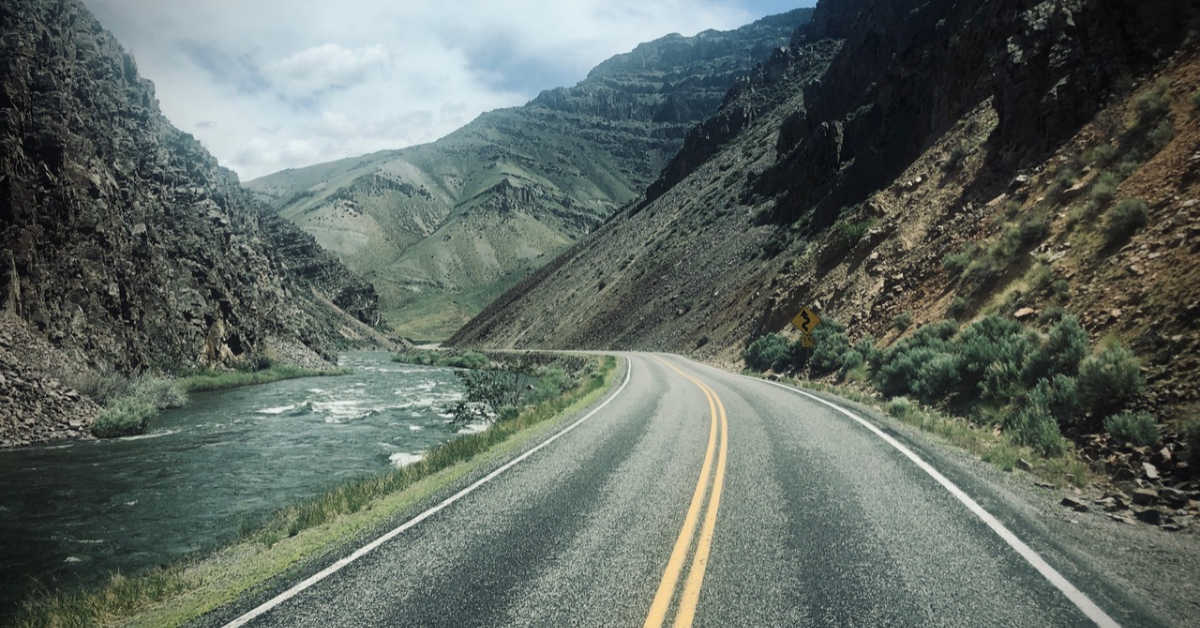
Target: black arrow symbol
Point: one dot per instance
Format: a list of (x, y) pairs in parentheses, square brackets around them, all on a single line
[(807, 320)]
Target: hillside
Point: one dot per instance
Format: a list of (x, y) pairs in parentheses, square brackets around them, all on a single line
[(126, 247), (906, 162), (441, 229)]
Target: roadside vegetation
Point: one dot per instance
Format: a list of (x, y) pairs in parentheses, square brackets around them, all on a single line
[(433, 357), (129, 403), (994, 386), (175, 594)]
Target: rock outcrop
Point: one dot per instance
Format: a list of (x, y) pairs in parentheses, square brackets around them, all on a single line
[(125, 245)]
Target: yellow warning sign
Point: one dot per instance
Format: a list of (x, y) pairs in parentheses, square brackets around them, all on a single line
[(806, 320)]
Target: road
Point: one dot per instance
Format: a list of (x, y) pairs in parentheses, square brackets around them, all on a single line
[(699, 496)]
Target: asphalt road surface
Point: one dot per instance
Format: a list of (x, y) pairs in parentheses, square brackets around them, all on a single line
[(696, 496)]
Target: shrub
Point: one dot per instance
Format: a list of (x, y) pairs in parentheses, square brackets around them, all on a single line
[(1033, 425), (798, 354), (1125, 219), (1109, 380), (1060, 396), (1040, 277), (902, 321), (938, 379), (958, 307), (767, 352), (1064, 348), (1137, 428), (847, 233), (1104, 189), (900, 407), (829, 345), (851, 360), (1152, 104), (995, 346), (1032, 231), (866, 348), (1101, 155), (468, 360), (956, 263), (897, 371), (125, 416), (101, 388)]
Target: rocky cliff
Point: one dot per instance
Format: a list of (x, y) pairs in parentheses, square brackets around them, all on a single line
[(443, 228), (890, 135), (125, 245)]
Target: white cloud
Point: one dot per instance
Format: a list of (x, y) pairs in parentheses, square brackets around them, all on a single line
[(328, 66), (272, 84)]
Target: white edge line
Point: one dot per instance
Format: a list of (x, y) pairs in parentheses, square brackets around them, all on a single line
[(1081, 600), (366, 549)]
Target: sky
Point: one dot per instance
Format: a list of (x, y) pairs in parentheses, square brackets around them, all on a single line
[(273, 84)]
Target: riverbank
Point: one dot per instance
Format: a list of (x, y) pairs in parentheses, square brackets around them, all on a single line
[(312, 530)]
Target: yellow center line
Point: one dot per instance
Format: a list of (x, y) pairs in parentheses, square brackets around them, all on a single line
[(666, 587), (691, 591)]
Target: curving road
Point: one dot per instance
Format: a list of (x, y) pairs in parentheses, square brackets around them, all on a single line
[(698, 496)]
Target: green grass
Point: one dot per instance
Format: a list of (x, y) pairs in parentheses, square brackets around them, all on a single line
[(175, 594)]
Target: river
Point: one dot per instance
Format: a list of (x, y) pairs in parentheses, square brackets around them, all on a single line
[(72, 512)]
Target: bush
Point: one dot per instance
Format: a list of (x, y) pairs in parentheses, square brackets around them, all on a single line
[(1109, 380), (767, 352), (125, 416), (1061, 353), (1101, 155), (851, 360), (1060, 396), (1152, 104), (101, 388), (847, 233), (902, 321), (1032, 231), (1137, 428), (898, 368), (866, 348), (994, 346), (938, 378), (130, 413), (1125, 219), (467, 360), (1034, 425), (829, 345), (958, 307), (900, 407), (957, 262), (1104, 189)]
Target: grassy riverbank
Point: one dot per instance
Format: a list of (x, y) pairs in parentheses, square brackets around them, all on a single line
[(308, 531)]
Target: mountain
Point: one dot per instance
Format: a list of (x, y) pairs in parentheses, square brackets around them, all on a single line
[(913, 161), (440, 229), (126, 247)]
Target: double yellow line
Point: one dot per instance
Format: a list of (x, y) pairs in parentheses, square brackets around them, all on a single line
[(685, 612)]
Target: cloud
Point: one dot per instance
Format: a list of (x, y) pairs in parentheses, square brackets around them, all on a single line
[(325, 67), (274, 84)]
